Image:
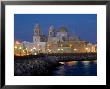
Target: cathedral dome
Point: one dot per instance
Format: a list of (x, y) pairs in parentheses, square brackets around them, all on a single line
[(62, 29)]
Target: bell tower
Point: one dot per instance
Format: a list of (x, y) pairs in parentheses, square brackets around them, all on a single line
[(36, 36), (51, 31)]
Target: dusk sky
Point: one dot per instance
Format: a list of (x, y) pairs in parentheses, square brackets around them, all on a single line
[(83, 25)]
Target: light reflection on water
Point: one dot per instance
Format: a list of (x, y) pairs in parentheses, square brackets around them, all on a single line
[(86, 63), (77, 68), (71, 63)]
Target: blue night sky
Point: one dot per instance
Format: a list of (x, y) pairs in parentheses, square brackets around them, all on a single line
[(83, 25)]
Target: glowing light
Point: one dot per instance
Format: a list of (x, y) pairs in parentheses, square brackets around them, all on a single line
[(49, 50), (71, 63), (15, 47), (58, 49), (70, 45), (62, 62), (23, 51), (86, 48), (20, 48), (31, 49), (86, 63), (75, 49), (61, 49), (34, 48), (35, 53)]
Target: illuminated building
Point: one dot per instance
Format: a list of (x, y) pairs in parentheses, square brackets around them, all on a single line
[(57, 41)]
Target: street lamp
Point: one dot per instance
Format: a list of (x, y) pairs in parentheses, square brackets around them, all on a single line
[(61, 45), (49, 51), (26, 51), (23, 52), (70, 45), (75, 49), (20, 50), (15, 49), (31, 50), (35, 53), (86, 49), (34, 49), (58, 49), (62, 50)]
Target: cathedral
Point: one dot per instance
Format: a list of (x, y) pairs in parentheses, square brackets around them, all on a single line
[(57, 41), (60, 35)]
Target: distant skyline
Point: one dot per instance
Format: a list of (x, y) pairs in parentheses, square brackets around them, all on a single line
[(83, 25)]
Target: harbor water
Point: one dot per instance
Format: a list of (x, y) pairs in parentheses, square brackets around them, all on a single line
[(76, 68)]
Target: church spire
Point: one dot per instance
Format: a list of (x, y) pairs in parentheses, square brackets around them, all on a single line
[(36, 36), (51, 31), (37, 30)]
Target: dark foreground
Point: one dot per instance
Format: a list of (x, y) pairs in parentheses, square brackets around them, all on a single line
[(51, 66), (33, 67)]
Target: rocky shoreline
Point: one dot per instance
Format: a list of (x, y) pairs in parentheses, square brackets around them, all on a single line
[(42, 65), (34, 67)]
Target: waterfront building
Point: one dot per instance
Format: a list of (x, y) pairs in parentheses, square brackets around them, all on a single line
[(57, 41), (62, 34)]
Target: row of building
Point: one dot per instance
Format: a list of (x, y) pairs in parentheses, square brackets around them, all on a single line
[(57, 41)]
